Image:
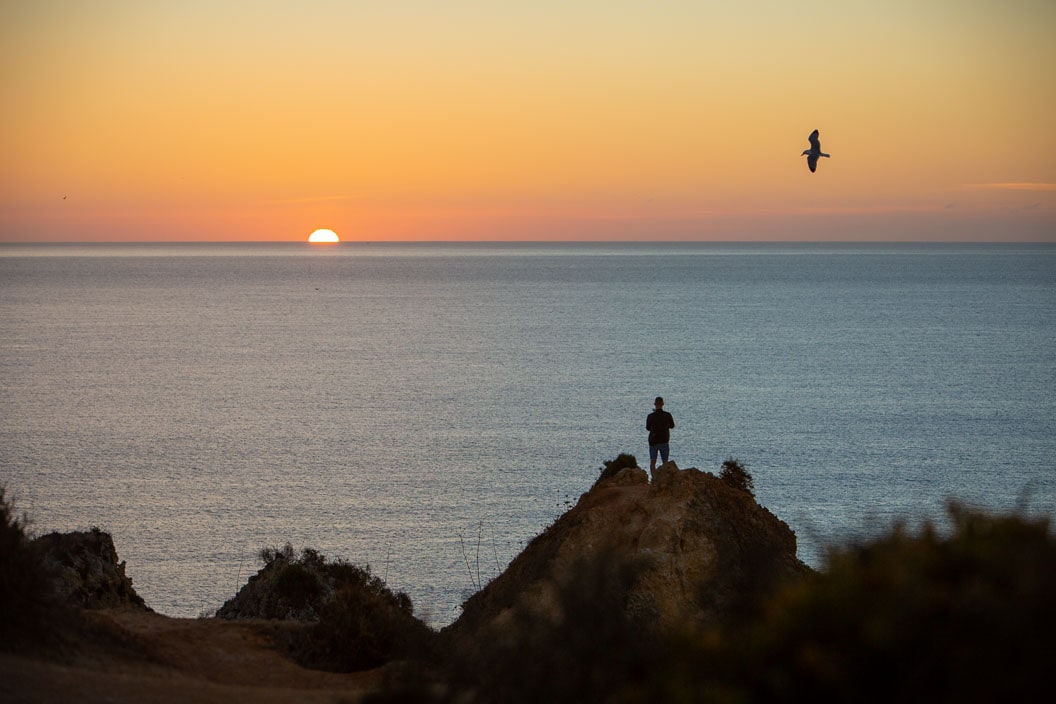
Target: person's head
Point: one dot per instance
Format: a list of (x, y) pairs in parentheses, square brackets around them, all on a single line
[(659, 402)]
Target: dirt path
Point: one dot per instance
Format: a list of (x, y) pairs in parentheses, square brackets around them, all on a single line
[(179, 660)]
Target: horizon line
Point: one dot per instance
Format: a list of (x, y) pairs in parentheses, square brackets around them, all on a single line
[(330, 245)]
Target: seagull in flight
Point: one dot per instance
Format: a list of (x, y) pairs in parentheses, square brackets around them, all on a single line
[(814, 152)]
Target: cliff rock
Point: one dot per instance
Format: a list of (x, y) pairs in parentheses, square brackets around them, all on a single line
[(685, 548), (86, 571)]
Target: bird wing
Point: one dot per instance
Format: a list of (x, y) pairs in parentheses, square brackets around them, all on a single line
[(815, 143), (812, 162)]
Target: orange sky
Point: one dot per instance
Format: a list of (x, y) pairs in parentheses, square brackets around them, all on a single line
[(556, 120)]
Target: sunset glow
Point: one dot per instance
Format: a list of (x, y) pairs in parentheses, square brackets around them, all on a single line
[(527, 121)]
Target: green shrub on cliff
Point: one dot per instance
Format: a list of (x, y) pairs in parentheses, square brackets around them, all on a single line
[(613, 467), (735, 474)]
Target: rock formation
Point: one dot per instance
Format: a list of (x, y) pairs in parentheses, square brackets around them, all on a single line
[(686, 548), (298, 588), (86, 571), (352, 621)]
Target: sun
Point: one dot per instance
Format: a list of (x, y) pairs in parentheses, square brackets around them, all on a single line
[(323, 237)]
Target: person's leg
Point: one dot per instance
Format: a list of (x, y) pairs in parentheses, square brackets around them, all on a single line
[(652, 457), (665, 452)]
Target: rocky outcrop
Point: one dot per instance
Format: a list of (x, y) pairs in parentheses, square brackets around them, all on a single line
[(298, 588), (686, 547), (286, 587), (85, 570), (353, 621)]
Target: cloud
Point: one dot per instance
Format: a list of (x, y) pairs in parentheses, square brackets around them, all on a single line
[(878, 209), (311, 199), (1011, 186)]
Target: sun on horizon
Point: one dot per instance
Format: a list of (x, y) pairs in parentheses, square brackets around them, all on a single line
[(324, 237)]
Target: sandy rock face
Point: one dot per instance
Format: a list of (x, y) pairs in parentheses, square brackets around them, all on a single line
[(686, 547), (86, 569)]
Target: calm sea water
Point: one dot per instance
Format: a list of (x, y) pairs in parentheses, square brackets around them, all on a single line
[(417, 407)]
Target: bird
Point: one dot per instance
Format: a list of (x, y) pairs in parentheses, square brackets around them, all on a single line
[(814, 152)]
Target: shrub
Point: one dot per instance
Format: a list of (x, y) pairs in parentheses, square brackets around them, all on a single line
[(736, 475), (269, 555), (362, 624), (298, 585), (354, 621), (30, 610), (287, 587), (963, 618), (613, 467)]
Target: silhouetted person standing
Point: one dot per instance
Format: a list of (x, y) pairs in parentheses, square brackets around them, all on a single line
[(659, 424)]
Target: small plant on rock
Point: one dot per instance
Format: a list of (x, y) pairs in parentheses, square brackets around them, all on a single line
[(613, 467), (736, 475), (285, 553)]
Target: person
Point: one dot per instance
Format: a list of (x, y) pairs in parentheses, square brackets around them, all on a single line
[(659, 424)]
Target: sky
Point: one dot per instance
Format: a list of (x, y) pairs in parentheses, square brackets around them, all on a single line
[(469, 120)]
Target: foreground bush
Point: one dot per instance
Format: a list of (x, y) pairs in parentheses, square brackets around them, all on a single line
[(29, 610), (355, 621), (964, 618)]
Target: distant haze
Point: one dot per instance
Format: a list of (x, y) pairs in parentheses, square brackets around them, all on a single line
[(527, 121)]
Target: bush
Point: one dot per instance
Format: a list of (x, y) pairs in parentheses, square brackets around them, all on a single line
[(736, 475), (963, 618), (287, 587), (362, 626), (354, 621), (298, 585), (30, 610), (613, 467), (269, 555)]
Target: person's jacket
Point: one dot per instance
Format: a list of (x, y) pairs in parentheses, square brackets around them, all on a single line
[(659, 424)]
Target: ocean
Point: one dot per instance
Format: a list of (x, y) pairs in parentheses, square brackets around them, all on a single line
[(426, 409)]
